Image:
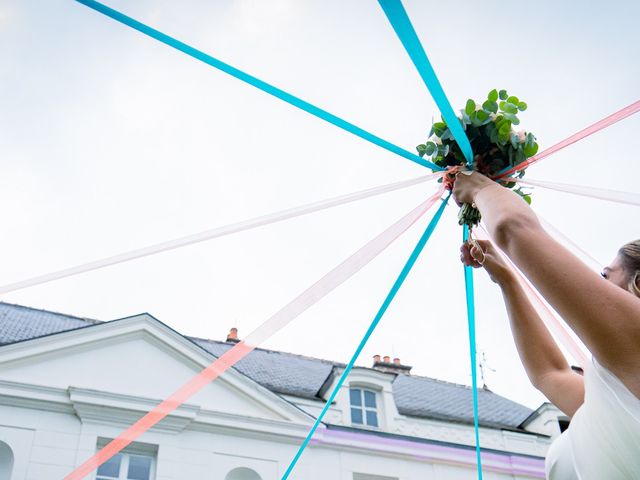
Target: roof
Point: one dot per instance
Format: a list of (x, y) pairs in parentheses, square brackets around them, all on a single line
[(300, 376), (19, 323)]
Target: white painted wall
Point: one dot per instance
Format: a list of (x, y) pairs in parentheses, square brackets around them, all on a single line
[(56, 403)]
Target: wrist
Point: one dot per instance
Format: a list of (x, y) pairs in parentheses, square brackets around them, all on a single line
[(506, 279), (484, 189)]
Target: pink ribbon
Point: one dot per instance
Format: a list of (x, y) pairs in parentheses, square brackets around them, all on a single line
[(596, 127), (548, 316), (617, 196), (280, 319)]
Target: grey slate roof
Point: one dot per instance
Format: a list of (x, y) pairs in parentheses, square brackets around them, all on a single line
[(19, 323), (450, 402), (301, 376), (280, 372)]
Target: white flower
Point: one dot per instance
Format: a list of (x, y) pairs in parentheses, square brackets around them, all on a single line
[(437, 140), (522, 136)]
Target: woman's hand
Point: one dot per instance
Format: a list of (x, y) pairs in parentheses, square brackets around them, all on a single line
[(467, 186), (481, 253)]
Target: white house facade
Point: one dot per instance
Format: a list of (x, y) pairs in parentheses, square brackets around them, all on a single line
[(70, 385)]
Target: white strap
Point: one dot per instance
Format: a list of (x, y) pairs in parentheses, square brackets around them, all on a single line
[(215, 233)]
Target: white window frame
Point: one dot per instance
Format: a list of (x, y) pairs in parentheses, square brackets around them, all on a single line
[(363, 408), (140, 450)]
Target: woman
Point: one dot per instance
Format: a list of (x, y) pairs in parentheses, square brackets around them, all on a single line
[(603, 440)]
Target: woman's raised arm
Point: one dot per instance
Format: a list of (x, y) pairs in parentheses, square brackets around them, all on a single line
[(543, 361), (604, 316)]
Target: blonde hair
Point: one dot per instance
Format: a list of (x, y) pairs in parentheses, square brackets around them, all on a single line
[(630, 254)]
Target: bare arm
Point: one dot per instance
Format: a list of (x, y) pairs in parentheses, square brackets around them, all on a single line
[(543, 361), (604, 316)]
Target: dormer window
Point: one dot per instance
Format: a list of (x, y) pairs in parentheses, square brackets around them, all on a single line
[(363, 407)]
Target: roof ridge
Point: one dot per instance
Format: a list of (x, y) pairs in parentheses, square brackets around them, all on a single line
[(269, 350), (423, 377), (75, 317)]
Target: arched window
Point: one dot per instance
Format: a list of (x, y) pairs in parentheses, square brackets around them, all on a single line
[(242, 473), (6, 461)]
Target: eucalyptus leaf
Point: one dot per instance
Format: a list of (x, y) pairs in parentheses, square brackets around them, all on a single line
[(531, 150), (514, 120), (505, 128), (514, 140), (509, 107), (490, 106), (470, 107)]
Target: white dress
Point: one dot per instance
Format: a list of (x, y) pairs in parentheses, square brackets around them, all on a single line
[(603, 439)]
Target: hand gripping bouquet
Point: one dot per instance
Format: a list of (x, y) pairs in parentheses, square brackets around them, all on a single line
[(496, 145)]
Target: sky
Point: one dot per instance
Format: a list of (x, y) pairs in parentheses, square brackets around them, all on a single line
[(111, 141)]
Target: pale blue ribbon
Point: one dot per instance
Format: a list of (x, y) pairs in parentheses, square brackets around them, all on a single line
[(251, 80), (400, 22), (387, 301), (402, 25), (471, 318)]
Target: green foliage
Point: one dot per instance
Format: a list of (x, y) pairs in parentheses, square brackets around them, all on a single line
[(496, 146), (470, 107)]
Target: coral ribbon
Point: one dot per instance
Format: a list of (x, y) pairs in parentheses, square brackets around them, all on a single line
[(374, 323), (596, 127), (280, 319)]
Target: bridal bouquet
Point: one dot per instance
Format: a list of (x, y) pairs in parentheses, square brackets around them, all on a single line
[(496, 145)]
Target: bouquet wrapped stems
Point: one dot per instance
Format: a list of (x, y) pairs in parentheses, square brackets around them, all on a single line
[(469, 215)]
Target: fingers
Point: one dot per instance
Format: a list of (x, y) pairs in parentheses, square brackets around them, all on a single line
[(467, 258), (477, 253)]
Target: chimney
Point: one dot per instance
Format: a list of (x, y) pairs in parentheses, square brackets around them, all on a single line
[(388, 366), (232, 337)]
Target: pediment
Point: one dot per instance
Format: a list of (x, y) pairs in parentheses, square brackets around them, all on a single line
[(134, 363)]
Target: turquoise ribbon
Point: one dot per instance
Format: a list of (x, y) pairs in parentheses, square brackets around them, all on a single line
[(400, 22), (251, 80), (471, 320), (387, 301)]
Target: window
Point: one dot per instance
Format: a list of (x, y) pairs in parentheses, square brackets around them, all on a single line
[(363, 407), (364, 476), (6, 461), (127, 466), (242, 473)]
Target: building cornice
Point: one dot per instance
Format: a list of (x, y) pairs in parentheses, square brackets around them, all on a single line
[(380, 443)]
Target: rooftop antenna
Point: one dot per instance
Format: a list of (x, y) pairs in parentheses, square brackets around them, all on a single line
[(483, 367)]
